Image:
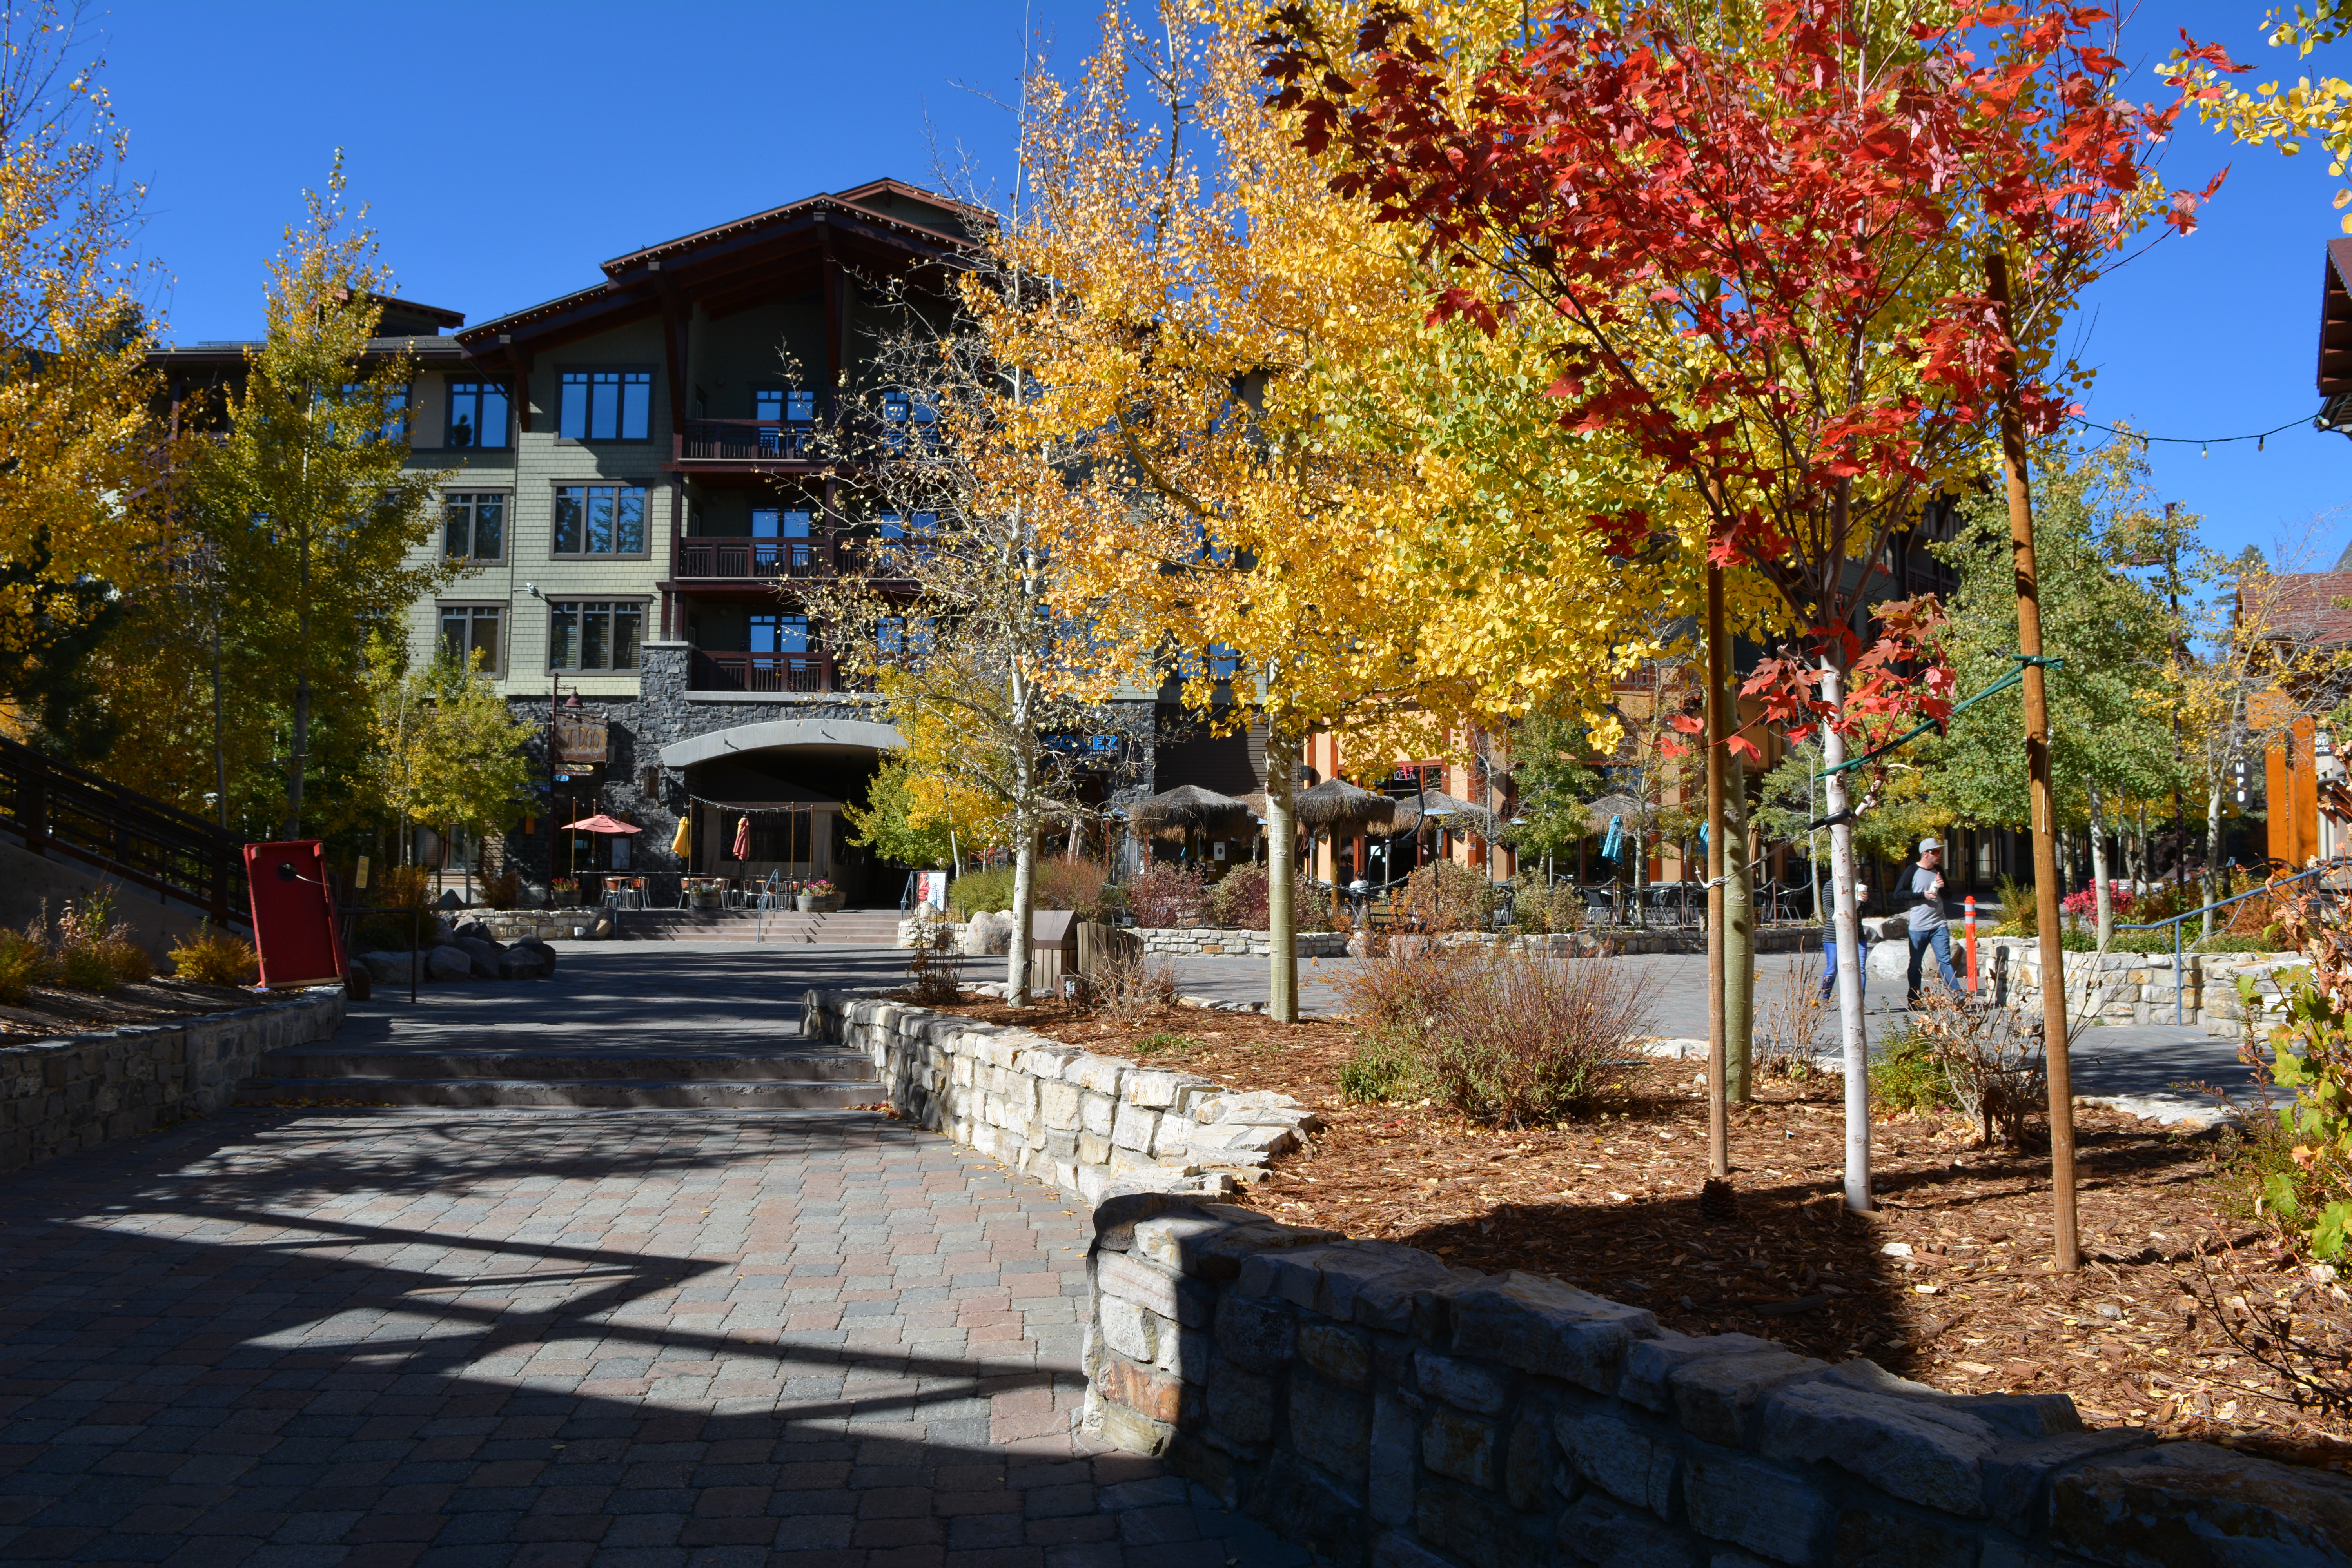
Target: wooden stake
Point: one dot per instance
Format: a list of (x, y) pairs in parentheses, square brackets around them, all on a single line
[(2064, 1246), (1719, 1127)]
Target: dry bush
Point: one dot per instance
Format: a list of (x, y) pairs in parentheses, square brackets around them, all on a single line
[(210, 957), (1991, 1058), (933, 977), (1130, 984), (1166, 894), (93, 951), (2297, 1324), (1507, 1038), (1447, 896), (23, 964), (1788, 1025), (503, 892)]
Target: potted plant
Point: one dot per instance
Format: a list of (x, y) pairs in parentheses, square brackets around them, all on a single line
[(819, 897), (564, 892), (705, 894)]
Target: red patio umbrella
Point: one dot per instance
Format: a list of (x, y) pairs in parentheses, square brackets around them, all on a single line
[(742, 850)]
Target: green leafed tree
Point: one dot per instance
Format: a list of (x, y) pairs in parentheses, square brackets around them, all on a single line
[(2112, 741), (447, 750), (305, 496)]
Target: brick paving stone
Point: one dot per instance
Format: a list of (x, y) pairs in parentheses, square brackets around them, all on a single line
[(631, 1340)]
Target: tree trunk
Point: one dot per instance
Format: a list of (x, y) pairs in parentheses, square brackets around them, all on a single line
[(294, 763), (1638, 842), (2102, 893), (1738, 936), (1849, 964), (1017, 980), (1281, 880), (220, 751), (2211, 880)]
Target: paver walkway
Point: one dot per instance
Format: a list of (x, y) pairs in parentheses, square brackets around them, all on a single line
[(647, 1338)]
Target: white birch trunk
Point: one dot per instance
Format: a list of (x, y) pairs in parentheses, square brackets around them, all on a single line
[(1281, 881), (2211, 880), (1851, 1034), (2102, 893)]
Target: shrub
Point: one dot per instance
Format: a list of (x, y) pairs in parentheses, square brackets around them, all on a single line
[(1078, 886), (1164, 893), (1131, 984), (406, 887), (1544, 910), (94, 952), (1238, 902), (23, 964), (1906, 1075), (1992, 1060), (1446, 896), (503, 892), (2311, 1055), (986, 891), (211, 957), (2019, 915), (1376, 1072), (1507, 1038)]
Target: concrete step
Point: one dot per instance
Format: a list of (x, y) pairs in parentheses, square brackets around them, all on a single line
[(605, 1093), (844, 928), (812, 1065)]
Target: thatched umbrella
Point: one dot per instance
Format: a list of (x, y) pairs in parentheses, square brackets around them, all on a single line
[(1451, 812), (1599, 811), (1178, 813), (1339, 808)]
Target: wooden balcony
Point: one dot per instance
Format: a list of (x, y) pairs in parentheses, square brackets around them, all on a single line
[(760, 672), (824, 554), (737, 443)]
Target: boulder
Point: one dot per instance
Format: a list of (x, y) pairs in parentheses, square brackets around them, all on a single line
[(449, 962), (386, 968), (1890, 959), (989, 933), (484, 954), (605, 927), (520, 963), (474, 931)]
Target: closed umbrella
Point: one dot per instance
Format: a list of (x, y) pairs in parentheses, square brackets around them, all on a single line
[(684, 839), (742, 850)]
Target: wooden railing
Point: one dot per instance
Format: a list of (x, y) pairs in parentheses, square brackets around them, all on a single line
[(805, 673), (745, 441), (824, 555), (58, 810)]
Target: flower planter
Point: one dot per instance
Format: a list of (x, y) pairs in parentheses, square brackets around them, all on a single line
[(818, 903), (705, 898)]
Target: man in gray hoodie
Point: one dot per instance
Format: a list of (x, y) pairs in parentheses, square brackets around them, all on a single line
[(1928, 928)]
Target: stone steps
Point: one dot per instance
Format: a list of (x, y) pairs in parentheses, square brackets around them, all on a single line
[(607, 1094), (808, 1079), (842, 928)]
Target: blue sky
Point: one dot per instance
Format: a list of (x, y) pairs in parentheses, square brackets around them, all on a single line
[(506, 148)]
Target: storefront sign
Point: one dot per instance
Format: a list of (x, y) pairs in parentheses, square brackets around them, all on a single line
[(579, 738)]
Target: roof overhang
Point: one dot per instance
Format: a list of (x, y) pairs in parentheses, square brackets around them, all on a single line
[(782, 732), (2335, 321)]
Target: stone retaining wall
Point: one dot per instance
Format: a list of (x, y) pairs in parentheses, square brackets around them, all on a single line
[(2131, 987), (80, 1090), (1184, 942), (1372, 1403), (572, 924), (1084, 1125)]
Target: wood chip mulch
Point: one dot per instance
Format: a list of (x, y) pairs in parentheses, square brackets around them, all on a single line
[(1949, 1283), (46, 1012)]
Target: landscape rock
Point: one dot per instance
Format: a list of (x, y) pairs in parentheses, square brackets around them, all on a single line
[(484, 954), (520, 963), (988, 934), (2141, 1510), (449, 962)]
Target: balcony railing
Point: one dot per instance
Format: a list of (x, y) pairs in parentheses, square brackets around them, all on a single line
[(822, 554), (803, 672), (746, 441)]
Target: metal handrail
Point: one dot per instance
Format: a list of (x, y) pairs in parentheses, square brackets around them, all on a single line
[(2179, 969)]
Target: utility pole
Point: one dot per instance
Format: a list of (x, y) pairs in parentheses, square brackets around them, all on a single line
[(2037, 771)]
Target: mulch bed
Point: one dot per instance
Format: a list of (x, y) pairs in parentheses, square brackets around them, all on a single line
[(1609, 1203), (46, 1013)]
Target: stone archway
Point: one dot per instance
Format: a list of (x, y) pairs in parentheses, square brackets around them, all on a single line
[(790, 778)]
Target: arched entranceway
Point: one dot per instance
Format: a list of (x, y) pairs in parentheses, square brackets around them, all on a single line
[(790, 778)]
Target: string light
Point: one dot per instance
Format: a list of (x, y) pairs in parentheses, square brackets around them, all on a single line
[(2204, 444)]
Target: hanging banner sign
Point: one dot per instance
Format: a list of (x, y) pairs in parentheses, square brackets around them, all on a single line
[(579, 738)]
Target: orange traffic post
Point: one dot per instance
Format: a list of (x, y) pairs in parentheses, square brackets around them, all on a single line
[(1972, 944)]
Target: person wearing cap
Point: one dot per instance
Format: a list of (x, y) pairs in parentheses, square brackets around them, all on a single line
[(1928, 928)]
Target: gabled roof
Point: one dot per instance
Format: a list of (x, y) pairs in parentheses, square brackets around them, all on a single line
[(883, 215), (2335, 321), (2307, 607)]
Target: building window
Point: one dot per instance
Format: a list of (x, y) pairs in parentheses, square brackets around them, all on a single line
[(600, 519), (471, 632), (395, 409), (595, 634), (605, 405), (478, 415), (474, 526), (909, 414), (783, 404), (780, 633), (769, 522)]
